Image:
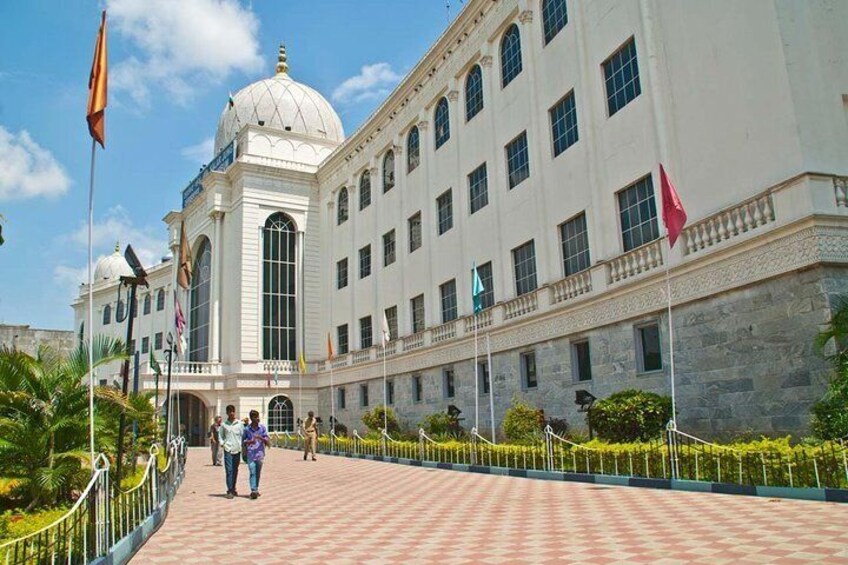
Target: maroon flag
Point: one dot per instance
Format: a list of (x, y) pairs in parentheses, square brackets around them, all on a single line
[(673, 214), (180, 324)]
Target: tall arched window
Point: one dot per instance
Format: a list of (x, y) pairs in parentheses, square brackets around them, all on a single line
[(107, 315), (413, 157), (146, 304), (160, 300), (554, 17), (280, 415), (510, 55), (342, 212), (278, 288), (388, 171), (119, 311), (441, 119), (365, 190), (201, 285), (473, 92)]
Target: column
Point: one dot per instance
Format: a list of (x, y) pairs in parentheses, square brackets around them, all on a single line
[(330, 283), (427, 224), (300, 300), (217, 272)]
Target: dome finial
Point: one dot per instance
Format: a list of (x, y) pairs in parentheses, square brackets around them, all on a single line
[(117, 247), (282, 65)]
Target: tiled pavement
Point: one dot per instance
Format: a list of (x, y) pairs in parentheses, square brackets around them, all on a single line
[(352, 511)]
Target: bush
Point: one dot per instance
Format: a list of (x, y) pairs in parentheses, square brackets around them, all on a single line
[(14, 525), (522, 422), (630, 415), (441, 424), (374, 420), (341, 429), (559, 426), (830, 414)]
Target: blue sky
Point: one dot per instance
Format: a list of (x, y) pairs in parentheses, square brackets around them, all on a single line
[(171, 67)]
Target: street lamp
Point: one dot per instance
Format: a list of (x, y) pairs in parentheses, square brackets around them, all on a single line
[(169, 355)]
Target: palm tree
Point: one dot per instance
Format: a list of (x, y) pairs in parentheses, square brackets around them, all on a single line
[(43, 418)]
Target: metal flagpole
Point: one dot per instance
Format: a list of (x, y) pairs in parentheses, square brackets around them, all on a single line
[(491, 385), (91, 311), (476, 378), (332, 403), (385, 391), (670, 332)]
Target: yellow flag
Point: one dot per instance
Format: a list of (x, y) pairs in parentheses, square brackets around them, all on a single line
[(302, 363), (96, 111)]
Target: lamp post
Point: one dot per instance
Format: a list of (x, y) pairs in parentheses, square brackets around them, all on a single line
[(169, 354)]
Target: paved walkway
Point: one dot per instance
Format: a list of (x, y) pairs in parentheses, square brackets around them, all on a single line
[(340, 510)]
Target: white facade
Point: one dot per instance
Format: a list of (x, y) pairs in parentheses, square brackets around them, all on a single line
[(743, 102)]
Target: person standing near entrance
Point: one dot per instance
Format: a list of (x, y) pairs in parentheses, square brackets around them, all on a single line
[(255, 440), (310, 429), (213, 441), (230, 436)]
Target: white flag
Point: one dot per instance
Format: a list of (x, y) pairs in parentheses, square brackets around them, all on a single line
[(386, 335)]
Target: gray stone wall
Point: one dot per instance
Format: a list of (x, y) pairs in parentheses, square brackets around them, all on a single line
[(29, 339), (744, 362)]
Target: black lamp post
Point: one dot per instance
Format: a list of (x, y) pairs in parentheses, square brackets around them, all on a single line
[(169, 355)]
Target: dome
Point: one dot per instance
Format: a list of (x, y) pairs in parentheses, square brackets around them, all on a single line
[(280, 103), (112, 267)]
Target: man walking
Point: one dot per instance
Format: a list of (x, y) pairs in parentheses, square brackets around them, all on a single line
[(310, 429), (230, 435), (213, 441), (255, 440)]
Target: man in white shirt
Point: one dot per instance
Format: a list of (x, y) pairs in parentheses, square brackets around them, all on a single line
[(230, 436)]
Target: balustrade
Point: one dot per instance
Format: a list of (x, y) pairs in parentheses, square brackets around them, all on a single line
[(730, 223), (524, 304), (571, 287), (414, 341), (444, 332), (640, 260), (481, 320)]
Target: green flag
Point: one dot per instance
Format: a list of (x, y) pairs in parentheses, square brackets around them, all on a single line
[(476, 290), (154, 364)]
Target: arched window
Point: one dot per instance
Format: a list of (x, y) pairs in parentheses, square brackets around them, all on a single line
[(201, 285), (473, 92), (160, 300), (119, 312), (441, 119), (413, 157), (342, 212), (280, 415), (146, 304), (365, 190), (389, 171), (278, 288), (554, 17), (510, 55), (107, 315)]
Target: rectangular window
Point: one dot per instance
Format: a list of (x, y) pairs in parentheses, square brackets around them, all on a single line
[(414, 231), (564, 123), (417, 308), (528, 370), (417, 388), (448, 293), (388, 248), (621, 76), (392, 320), (363, 395), (517, 160), (484, 271), (341, 273), (574, 239), (648, 344), (147, 303), (145, 344), (342, 339), (524, 262), (365, 332), (364, 261), (157, 341), (390, 392), (132, 346), (581, 363), (483, 375), (638, 213), (341, 399), (444, 206), (478, 188), (449, 388)]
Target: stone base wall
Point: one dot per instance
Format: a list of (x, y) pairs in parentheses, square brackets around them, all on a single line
[(744, 363), (28, 340)]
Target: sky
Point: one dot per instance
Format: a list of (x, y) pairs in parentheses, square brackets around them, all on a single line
[(171, 67)]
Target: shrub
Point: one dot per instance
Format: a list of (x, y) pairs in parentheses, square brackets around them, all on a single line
[(14, 525), (830, 414), (522, 422), (630, 415), (341, 429), (559, 426), (374, 420), (441, 424)]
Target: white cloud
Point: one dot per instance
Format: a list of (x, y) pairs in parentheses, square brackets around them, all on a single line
[(200, 153), (27, 170), (373, 81), (182, 45)]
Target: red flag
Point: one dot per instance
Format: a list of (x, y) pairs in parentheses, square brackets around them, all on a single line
[(179, 324), (673, 214), (329, 347), (96, 112)]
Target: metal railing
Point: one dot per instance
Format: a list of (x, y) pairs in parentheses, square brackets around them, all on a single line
[(102, 515)]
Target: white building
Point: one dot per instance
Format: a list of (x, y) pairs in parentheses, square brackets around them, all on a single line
[(527, 141)]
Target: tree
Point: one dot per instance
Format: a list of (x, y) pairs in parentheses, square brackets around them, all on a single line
[(374, 420), (43, 418), (830, 414)]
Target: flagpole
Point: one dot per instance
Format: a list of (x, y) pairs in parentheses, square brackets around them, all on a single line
[(491, 385), (476, 379), (332, 404), (385, 391), (670, 332), (91, 308)]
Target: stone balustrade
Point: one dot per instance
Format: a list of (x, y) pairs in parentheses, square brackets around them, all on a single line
[(415, 341), (196, 368), (524, 304), (640, 260), (443, 332), (840, 191), (361, 356), (730, 223), (279, 366), (571, 287), (481, 321)]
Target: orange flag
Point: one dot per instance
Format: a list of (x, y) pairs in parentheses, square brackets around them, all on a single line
[(184, 267), (96, 114), (329, 347)]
